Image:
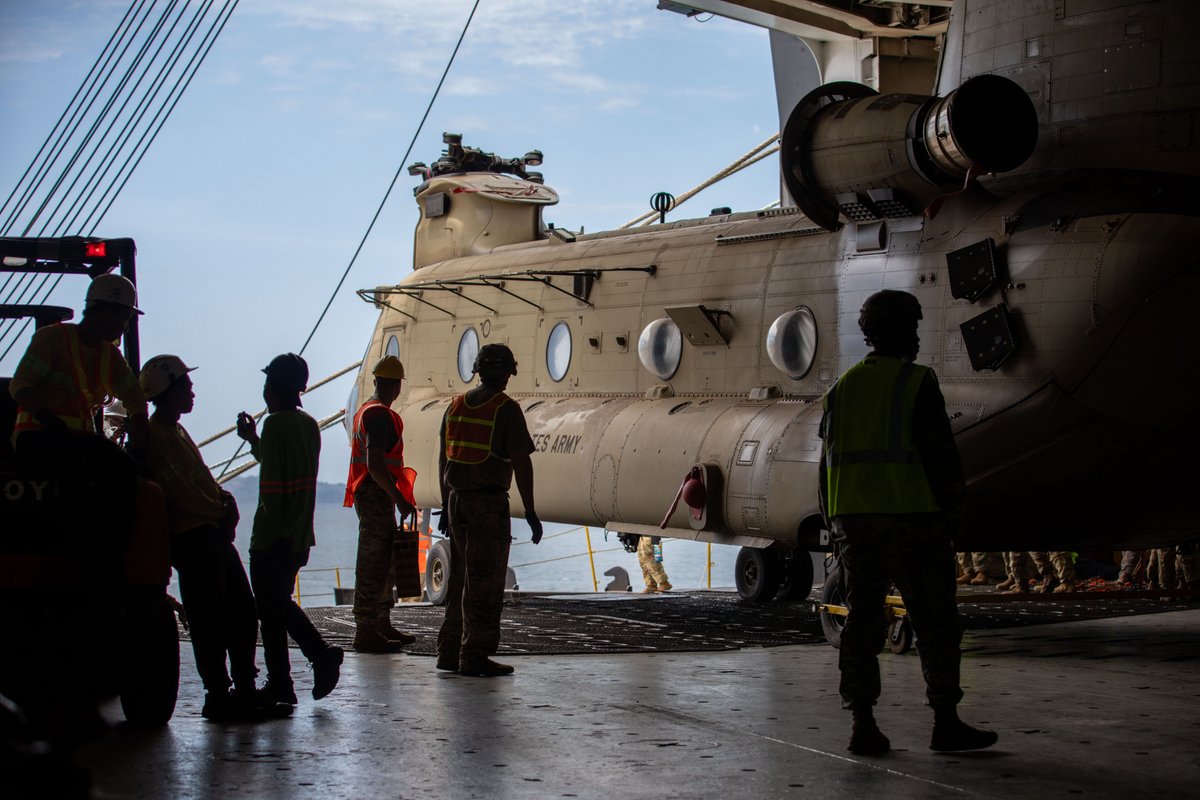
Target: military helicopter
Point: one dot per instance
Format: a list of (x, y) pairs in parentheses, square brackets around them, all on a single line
[(1038, 195)]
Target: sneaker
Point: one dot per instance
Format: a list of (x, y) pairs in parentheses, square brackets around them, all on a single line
[(955, 735), (447, 663), (384, 628), (240, 707), (484, 669), (327, 668), (279, 692), (369, 640), (257, 704)]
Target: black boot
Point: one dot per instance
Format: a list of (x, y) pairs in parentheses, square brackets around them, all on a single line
[(865, 738), (951, 734)]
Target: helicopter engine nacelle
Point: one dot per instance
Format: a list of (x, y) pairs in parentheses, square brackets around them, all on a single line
[(847, 149), (472, 213)]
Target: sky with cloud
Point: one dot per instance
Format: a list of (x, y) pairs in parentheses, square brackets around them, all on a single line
[(253, 198)]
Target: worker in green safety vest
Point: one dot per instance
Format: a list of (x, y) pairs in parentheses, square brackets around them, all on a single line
[(892, 492)]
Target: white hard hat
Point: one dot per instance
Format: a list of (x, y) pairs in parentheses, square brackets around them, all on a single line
[(110, 288), (158, 372)]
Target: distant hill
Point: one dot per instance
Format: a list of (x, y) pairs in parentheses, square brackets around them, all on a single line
[(246, 492)]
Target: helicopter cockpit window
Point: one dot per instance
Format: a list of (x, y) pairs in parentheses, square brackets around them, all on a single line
[(393, 347), (558, 351), (792, 342), (660, 347), (468, 348)]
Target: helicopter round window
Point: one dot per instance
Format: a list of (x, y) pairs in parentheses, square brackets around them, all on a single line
[(468, 348), (558, 351), (792, 342), (660, 347), (393, 347)]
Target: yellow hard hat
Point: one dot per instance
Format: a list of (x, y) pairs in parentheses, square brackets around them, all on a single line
[(389, 368)]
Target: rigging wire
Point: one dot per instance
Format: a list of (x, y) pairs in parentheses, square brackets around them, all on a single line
[(379, 210), (395, 178), (134, 158)]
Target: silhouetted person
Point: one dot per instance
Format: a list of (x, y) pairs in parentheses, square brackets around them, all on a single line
[(892, 491), (485, 443), (288, 453), (377, 485)]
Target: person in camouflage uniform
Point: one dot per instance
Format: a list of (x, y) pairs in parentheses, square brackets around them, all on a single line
[(1057, 570), (485, 444), (892, 492), (378, 483), (653, 572)]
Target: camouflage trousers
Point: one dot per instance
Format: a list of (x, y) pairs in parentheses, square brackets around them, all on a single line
[(373, 568), (480, 536), (652, 569), (914, 552), (1058, 564), (1171, 567)]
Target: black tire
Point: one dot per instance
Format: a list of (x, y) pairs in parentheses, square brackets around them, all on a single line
[(150, 678), (437, 573), (831, 594), (900, 636), (797, 572), (757, 574)]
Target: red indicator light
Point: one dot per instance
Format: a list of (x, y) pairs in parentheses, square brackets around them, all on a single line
[(95, 249)]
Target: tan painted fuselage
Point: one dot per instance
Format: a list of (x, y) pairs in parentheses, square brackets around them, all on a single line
[(1084, 436)]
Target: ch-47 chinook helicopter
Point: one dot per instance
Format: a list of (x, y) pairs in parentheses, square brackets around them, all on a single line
[(1039, 196)]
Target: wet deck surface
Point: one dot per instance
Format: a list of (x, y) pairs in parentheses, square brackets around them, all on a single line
[(1103, 707)]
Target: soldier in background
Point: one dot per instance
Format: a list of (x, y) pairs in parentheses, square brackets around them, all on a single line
[(485, 443), (649, 553), (377, 485), (892, 492)]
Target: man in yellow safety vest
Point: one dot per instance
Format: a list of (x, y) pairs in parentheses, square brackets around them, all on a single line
[(66, 375), (485, 443), (892, 491)]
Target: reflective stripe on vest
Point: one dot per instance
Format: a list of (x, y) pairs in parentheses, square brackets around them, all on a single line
[(469, 429), (872, 465), (393, 459), (77, 413)]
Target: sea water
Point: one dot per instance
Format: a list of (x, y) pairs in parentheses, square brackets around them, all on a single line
[(559, 563)]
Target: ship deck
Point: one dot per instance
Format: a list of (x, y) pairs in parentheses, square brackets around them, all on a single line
[(1103, 706)]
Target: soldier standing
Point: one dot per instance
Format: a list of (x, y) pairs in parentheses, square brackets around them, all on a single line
[(377, 485), (892, 491), (649, 553), (484, 444)]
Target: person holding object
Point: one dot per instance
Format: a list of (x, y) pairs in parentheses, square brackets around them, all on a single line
[(649, 553), (202, 519), (892, 492), (377, 485), (288, 453), (485, 444)]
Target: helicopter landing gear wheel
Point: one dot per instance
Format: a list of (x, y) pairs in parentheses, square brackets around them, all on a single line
[(757, 574)]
